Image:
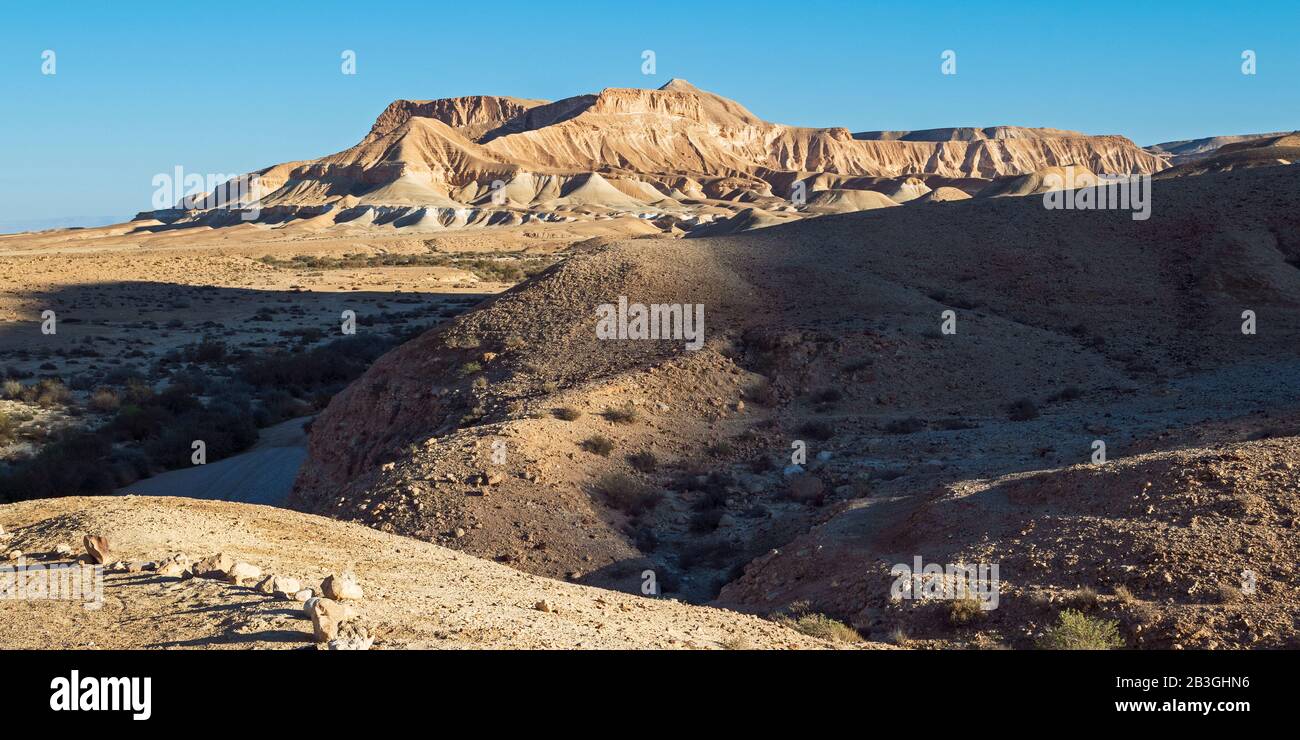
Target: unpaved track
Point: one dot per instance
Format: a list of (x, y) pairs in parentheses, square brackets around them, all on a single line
[(263, 475)]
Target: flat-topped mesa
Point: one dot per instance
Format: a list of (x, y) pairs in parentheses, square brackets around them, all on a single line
[(967, 133), (647, 143)]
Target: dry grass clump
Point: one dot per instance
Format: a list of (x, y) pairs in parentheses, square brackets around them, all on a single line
[(801, 618), (567, 413), (599, 445), (625, 414), (105, 400)]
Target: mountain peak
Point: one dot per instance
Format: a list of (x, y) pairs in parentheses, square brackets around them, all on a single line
[(679, 85)]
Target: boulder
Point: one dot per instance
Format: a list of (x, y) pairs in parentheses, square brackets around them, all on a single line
[(243, 574), (97, 547), (281, 586), (217, 566), (342, 587), (327, 616)]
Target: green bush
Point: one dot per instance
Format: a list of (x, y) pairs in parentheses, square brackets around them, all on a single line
[(1077, 631)]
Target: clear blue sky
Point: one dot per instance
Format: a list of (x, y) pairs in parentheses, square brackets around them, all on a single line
[(143, 87)]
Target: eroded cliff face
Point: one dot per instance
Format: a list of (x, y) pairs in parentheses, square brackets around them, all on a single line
[(662, 139), (678, 157)]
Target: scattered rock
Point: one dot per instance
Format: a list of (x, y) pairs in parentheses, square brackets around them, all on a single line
[(216, 566), (304, 595), (281, 586), (97, 548), (806, 488), (243, 574), (170, 568), (327, 616), (63, 550), (351, 636), (342, 587), (14, 554), (544, 606)]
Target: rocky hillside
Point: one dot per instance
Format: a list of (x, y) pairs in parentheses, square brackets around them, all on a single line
[(166, 587), (517, 435)]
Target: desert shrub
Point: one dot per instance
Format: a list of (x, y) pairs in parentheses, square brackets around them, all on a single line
[(550, 387), (224, 429), (51, 392), (818, 430), (567, 413), (627, 494), (801, 618), (964, 611), (625, 414), (105, 400), (71, 465), (1022, 410), (1077, 631), (12, 389), (8, 429), (470, 368), (910, 425), (599, 445), (205, 351), (330, 366), (279, 405), (721, 448), (1083, 598), (737, 642), (645, 462), (708, 552)]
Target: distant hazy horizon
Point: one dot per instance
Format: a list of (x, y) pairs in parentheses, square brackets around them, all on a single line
[(139, 94)]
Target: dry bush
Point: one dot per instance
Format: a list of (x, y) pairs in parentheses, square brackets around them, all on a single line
[(567, 413), (51, 392), (645, 462), (962, 612), (105, 400), (625, 414), (1083, 598), (627, 494), (801, 618), (599, 445), (8, 429)]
